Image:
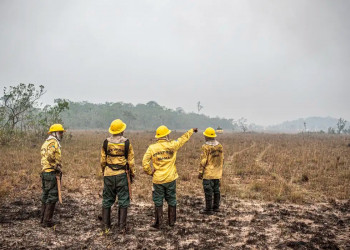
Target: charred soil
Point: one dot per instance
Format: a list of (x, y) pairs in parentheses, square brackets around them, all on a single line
[(240, 224)]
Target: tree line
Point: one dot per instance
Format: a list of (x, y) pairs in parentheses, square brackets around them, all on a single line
[(85, 115), (21, 113)]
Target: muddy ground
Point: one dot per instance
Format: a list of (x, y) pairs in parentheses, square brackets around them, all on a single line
[(240, 225)]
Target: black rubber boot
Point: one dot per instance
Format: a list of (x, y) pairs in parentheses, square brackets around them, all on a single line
[(106, 219), (49, 211), (42, 212), (122, 224), (208, 205), (158, 212), (171, 215), (216, 206)]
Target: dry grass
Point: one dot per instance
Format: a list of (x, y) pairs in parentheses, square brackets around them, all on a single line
[(292, 168)]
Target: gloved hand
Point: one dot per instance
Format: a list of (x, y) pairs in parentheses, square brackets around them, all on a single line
[(200, 176), (132, 177), (58, 168), (195, 130)]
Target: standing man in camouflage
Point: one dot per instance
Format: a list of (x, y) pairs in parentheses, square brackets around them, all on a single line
[(117, 157), (51, 166), (162, 154), (210, 170)]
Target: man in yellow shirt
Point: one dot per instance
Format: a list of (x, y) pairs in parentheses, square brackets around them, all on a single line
[(117, 157), (51, 166), (210, 170), (162, 154)]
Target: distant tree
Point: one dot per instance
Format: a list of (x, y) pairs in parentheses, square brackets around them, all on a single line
[(199, 106), (242, 123), (180, 110), (304, 126), (152, 104), (48, 116), (55, 111), (17, 101), (341, 125)]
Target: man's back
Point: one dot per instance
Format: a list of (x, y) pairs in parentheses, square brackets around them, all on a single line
[(212, 159), (163, 156)]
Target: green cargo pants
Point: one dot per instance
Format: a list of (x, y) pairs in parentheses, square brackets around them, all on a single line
[(113, 186), (212, 187), (167, 191), (49, 186)]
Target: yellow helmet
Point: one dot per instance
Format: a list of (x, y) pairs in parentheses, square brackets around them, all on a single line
[(117, 126), (162, 131), (56, 128), (209, 132)]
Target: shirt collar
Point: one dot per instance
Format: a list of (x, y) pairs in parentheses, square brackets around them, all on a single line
[(52, 137), (117, 139), (212, 143)]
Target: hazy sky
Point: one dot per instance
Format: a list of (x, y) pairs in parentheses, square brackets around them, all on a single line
[(266, 60)]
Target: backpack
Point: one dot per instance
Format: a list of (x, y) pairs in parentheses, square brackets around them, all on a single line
[(126, 153)]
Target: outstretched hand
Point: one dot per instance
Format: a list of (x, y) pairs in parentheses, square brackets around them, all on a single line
[(195, 130)]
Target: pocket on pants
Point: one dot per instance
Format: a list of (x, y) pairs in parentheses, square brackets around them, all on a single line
[(47, 184), (49, 181), (207, 187)]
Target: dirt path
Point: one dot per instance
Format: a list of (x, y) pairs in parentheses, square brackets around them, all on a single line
[(230, 159), (240, 224), (267, 168), (259, 159)]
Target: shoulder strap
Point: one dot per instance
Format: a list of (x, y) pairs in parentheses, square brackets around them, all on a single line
[(126, 152), (105, 144)]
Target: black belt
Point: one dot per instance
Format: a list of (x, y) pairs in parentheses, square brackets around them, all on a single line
[(116, 167)]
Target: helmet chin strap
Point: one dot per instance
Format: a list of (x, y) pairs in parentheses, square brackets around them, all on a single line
[(164, 138)]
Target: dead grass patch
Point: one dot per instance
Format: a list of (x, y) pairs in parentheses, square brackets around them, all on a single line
[(293, 168)]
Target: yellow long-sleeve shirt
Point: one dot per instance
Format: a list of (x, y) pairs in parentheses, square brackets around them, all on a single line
[(116, 146), (50, 154), (162, 154), (212, 160)]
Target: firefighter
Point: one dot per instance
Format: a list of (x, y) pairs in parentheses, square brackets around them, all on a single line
[(117, 157), (51, 166), (210, 170), (162, 154)]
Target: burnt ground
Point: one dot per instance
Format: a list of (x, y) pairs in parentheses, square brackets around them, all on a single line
[(240, 224)]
